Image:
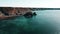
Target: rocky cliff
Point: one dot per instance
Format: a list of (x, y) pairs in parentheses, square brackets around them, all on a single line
[(8, 12), (14, 10)]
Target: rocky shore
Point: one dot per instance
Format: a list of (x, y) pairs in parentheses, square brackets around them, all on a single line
[(6, 12)]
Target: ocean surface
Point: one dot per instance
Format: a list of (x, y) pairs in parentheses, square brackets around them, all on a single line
[(45, 22)]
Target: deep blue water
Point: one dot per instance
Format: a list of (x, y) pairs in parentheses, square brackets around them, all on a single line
[(45, 22)]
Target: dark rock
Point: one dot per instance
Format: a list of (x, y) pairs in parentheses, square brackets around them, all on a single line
[(34, 14), (5, 10), (28, 14)]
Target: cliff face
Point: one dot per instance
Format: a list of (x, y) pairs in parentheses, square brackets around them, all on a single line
[(14, 11)]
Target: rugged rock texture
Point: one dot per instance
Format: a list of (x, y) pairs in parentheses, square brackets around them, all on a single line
[(6, 12), (14, 11)]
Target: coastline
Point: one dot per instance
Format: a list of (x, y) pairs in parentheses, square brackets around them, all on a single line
[(12, 12)]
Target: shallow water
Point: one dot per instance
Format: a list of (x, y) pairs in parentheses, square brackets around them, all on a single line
[(45, 22)]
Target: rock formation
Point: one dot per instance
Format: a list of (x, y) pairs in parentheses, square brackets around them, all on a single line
[(34, 14), (13, 11), (28, 14)]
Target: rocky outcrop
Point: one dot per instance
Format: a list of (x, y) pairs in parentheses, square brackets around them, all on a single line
[(5, 10), (28, 14), (34, 14), (13, 11)]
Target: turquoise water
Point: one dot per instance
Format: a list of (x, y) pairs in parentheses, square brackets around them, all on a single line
[(45, 22)]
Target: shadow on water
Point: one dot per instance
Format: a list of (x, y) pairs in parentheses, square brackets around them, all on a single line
[(22, 25)]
